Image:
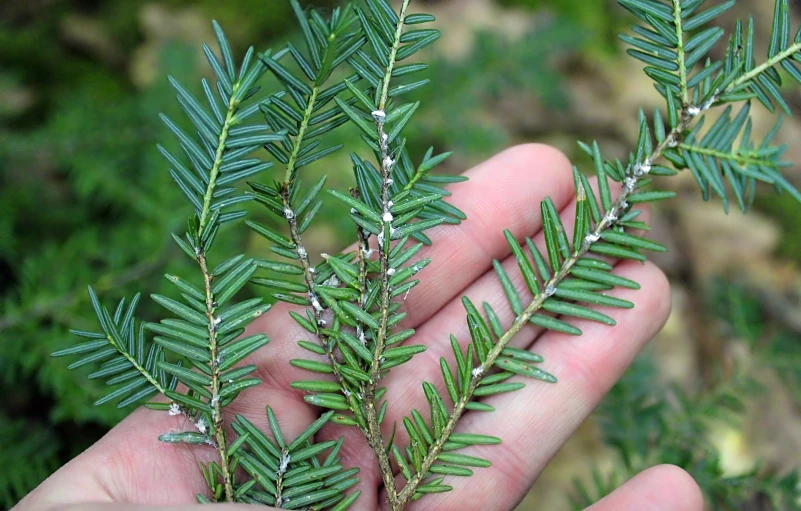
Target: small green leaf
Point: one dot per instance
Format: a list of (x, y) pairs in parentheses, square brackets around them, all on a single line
[(499, 388), (450, 470), (569, 309), (524, 369), (622, 238), (308, 432), (463, 459), (313, 366), (359, 314), (474, 439), (554, 324), (593, 298), (604, 277), (188, 437)]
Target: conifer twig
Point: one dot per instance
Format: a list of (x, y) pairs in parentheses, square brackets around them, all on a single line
[(308, 278), (297, 240), (211, 306), (635, 173), (680, 52), (768, 64), (375, 439)]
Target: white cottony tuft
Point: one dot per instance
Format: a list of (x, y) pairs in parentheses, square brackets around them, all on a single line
[(315, 303), (387, 216), (391, 272), (630, 184), (478, 371), (289, 214), (175, 409), (388, 163), (379, 116), (302, 252), (550, 290), (640, 169), (217, 321), (592, 238), (202, 426), (694, 111), (285, 457)]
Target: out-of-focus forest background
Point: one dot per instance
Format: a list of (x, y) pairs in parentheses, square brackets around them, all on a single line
[(86, 199)]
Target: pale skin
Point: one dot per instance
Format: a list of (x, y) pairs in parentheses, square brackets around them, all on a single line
[(129, 470)]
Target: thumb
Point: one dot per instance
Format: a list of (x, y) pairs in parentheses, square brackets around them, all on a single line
[(662, 488)]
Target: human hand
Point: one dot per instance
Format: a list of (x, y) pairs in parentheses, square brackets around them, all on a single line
[(129, 469)]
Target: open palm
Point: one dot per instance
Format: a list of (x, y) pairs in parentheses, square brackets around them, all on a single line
[(129, 467)]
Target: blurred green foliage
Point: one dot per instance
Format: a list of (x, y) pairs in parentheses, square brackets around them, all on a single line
[(499, 70), (785, 210), (600, 21), (647, 422)]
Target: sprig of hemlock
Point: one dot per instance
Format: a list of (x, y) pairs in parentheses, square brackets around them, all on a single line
[(328, 46), (397, 201), (207, 331)]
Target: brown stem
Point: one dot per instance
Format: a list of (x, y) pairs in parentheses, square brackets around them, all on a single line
[(308, 277), (216, 408), (375, 438)]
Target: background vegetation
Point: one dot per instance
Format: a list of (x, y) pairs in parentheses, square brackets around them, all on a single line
[(85, 198)]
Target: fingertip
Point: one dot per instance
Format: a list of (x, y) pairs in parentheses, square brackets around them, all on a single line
[(657, 301), (536, 156), (681, 485), (671, 488), (660, 488)]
